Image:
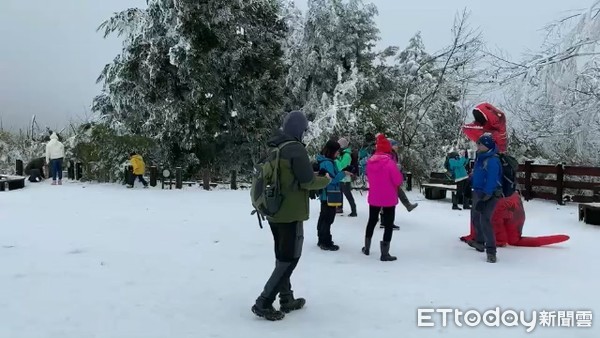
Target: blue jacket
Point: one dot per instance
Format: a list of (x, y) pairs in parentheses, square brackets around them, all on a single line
[(459, 172), (336, 175), (487, 173)]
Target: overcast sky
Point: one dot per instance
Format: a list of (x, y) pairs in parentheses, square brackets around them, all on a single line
[(51, 55)]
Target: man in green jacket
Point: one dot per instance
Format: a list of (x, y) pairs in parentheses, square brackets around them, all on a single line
[(343, 163), (296, 180)]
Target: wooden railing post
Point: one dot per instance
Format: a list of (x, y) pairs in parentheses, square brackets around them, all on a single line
[(528, 191), (560, 182)]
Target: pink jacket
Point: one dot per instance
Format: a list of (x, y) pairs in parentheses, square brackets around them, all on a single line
[(384, 180)]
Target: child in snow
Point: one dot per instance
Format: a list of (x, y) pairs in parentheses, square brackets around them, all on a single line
[(139, 168), (331, 196), (458, 169), (384, 181), (343, 162)]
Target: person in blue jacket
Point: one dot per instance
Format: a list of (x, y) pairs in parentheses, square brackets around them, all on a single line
[(331, 196), (486, 183)]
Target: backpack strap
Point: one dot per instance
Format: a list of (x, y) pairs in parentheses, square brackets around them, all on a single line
[(277, 152)]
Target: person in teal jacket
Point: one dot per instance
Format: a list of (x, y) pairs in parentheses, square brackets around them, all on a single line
[(331, 196), (458, 169), (343, 162)]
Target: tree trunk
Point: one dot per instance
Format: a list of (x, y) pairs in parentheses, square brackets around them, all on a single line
[(234, 180), (206, 179)]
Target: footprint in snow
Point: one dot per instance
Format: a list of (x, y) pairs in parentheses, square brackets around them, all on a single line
[(76, 252)]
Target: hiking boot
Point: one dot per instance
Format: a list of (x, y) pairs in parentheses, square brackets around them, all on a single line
[(367, 248), (466, 207), (476, 245), (329, 247), (268, 313), (456, 207), (412, 207), (385, 252), (353, 214), (491, 258), (289, 304), (129, 186)]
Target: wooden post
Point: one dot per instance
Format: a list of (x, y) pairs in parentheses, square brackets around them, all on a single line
[(178, 178), (19, 168), (153, 175), (560, 181), (206, 179), (409, 183), (71, 170), (233, 180), (528, 191)]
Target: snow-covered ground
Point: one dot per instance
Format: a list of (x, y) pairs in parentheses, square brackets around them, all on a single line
[(103, 261)]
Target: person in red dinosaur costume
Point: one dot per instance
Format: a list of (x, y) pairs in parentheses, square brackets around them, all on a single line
[(509, 215)]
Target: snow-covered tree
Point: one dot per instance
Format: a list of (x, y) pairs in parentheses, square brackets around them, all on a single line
[(203, 78), (554, 93), (331, 64)]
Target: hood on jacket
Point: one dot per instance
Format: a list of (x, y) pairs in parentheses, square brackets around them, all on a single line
[(295, 124)]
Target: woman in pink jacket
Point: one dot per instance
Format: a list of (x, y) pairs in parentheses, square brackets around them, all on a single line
[(384, 181)]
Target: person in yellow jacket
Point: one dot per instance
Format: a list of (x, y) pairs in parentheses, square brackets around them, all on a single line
[(139, 169)]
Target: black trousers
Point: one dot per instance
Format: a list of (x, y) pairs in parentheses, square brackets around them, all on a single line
[(288, 240), (387, 219), (460, 194), (346, 188), (326, 219), (140, 177)]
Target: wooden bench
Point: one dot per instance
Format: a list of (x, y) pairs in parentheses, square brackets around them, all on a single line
[(437, 191), (589, 213), (8, 183)]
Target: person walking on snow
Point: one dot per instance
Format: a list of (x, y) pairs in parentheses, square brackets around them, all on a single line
[(55, 153), (296, 178), (343, 163), (384, 181), (139, 169), (487, 188), (458, 168), (331, 196)]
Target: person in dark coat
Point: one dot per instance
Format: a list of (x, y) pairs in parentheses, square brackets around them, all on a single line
[(297, 178), (35, 169)]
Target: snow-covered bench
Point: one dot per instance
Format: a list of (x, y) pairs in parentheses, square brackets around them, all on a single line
[(437, 191), (8, 182), (589, 213)]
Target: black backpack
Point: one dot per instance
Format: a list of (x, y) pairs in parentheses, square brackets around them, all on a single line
[(509, 166)]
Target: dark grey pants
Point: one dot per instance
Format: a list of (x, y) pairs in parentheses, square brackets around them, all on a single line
[(288, 238), (482, 222), (346, 188)]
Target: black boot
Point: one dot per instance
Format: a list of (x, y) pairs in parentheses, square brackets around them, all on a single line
[(353, 213), (385, 252), (268, 312), (288, 303), (366, 249), (491, 258), (456, 207), (476, 245)]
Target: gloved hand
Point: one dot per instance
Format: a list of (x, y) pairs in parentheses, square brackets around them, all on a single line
[(481, 203)]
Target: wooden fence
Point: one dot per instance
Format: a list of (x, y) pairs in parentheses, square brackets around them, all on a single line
[(569, 182)]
